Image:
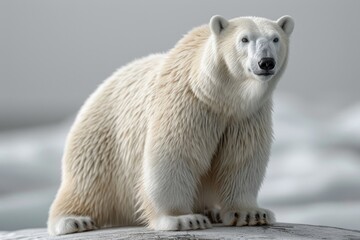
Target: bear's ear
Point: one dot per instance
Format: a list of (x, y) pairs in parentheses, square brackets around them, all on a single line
[(287, 24), (218, 24)]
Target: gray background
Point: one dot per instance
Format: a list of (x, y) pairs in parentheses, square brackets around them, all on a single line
[(53, 54)]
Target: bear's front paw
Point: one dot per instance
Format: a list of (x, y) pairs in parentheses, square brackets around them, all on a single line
[(181, 223), (248, 217), (72, 224)]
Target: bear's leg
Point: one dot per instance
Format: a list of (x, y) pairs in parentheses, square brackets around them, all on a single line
[(181, 222), (239, 171), (71, 224), (69, 213), (178, 151), (83, 206), (171, 189), (250, 216)]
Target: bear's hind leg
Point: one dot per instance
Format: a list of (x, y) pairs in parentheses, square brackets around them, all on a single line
[(71, 224), (81, 209), (70, 213)]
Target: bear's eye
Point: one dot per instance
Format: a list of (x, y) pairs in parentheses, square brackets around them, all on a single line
[(276, 39), (245, 40)]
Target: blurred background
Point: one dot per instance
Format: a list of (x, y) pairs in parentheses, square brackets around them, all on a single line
[(53, 54)]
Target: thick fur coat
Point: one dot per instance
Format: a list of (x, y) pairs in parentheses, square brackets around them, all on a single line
[(177, 140)]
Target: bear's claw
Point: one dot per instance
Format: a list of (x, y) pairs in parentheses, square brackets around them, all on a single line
[(73, 224), (182, 222), (248, 217)]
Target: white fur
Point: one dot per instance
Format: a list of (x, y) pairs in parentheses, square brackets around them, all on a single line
[(287, 24), (218, 24), (248, 216), (72, 224), (182, 222), (172, 136)]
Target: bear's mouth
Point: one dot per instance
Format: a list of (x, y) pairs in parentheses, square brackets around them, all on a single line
[(262, 73), (267, 73)]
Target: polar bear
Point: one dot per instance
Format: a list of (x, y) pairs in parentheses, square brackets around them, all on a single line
[(178, 140)]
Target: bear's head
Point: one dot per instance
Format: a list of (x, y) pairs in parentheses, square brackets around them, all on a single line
[(245, 58), (254, 47)]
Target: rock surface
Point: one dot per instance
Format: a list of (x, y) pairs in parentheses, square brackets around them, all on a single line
[(277, 231)]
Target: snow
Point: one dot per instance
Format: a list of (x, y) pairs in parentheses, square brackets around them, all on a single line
[(313, 176)]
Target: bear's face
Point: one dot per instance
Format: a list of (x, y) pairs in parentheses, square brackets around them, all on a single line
[(243, 60), (252, 48)]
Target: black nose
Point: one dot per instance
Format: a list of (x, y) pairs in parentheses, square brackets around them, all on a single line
[(267, 63)]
